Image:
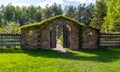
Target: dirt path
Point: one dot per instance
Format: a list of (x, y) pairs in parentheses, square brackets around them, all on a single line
[(60, 48)]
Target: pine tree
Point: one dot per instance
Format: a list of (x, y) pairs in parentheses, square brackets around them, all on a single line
[(53, 11), (99, 13), (70, 11), (84, 13)]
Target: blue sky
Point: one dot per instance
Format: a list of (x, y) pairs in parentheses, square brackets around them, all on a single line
[(43, 3)]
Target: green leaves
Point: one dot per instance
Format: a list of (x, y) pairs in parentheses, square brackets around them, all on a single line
[(52, 11), (99, 13), (112, 20), (82, 13)]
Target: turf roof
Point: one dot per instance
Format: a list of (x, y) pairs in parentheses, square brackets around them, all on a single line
[(34, 25)]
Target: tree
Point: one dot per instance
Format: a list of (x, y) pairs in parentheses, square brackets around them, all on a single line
[(70, 11), (31, 11), (99, 13), (84, 13), (53, 11), (18, 13), (23, 17), (0, 19), (112, 20), (38, 14), (80, 13), (9, 11), (1, 15)]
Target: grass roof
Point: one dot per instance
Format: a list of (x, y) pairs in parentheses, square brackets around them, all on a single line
[(34, 25)]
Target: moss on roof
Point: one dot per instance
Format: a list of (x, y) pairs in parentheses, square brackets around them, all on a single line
[(34, 25)]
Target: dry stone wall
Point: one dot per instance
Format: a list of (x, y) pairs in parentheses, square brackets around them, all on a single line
[(90, 38), (39, 38)]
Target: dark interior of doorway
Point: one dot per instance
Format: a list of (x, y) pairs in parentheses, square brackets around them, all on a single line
[(59, 34)]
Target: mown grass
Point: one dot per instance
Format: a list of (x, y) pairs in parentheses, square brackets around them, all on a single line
[(99, 60)]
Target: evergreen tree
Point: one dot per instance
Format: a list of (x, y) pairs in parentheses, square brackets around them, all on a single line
[(80, 14), (70, 11), (99, 13), (53, 11), (9, 11), (84, 13), (38, 14), (0, 19), (1, 15)]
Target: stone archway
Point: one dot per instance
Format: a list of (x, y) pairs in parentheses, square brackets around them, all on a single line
[(70, 34), (42, 35)]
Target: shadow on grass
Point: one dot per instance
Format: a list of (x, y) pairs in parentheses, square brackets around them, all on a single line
[(100, 55)]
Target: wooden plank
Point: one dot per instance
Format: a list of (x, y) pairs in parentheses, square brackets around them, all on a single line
[(110, 33), (10, 40), (109, 39), (10, 34), (10, 44), (10, 37), (108, 42)]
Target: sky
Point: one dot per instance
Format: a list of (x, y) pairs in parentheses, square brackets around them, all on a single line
[(43, 3)]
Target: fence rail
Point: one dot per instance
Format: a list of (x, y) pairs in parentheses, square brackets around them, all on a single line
[(10, 39), (105, 39), (111, 39)]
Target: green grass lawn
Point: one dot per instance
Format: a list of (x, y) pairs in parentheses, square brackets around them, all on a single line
[(100, 60)]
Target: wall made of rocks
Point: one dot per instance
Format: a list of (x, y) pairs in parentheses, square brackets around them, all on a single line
[(89, 38)]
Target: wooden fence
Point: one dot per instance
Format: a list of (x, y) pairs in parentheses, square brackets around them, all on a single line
[(109, 39), (10, 39), (105, 39)]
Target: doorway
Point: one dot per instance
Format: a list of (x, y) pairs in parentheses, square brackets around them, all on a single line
[(60, 36)]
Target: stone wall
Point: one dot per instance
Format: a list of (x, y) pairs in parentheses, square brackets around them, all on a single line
[(46, 38), (36, 38), (39, 38), (29, 39), (89, 38)]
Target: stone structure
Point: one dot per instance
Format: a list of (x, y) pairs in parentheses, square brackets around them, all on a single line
[(40, 35), (90, 38)]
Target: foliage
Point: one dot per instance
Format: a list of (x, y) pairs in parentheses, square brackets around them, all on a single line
[(100, 60), (82, 13), (22, 15), (60, 39), (52, 11), (70, 11), (112, 20), (0, 19), (99, 13), (89, 14), (32, 14), (10, 27), (8, 11)]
